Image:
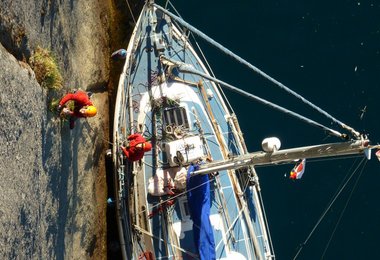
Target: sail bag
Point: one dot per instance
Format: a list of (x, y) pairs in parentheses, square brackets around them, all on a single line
[(199, 202)]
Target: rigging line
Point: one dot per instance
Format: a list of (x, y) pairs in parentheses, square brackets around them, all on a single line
[(245, 187), (327, 209), (130, 10), (258, 192), (255, 69), (228, 232), (166, 4), (165, 242), (204, 59), (92, 130), (260, 201), (174, 197), (344, 209), (186, 69), (314, 161), (336, 158), (345, 179), (212, 73)]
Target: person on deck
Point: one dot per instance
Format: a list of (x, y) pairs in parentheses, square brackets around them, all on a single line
[(136, 147), (83, 106)]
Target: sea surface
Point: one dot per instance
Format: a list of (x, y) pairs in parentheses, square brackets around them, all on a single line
[(329, 52)]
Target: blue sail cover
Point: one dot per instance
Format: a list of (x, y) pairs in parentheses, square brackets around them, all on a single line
[(198, 197)]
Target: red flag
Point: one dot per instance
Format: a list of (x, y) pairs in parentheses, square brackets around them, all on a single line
[(298, 170)]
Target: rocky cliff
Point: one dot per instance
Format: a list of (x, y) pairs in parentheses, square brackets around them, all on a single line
[(52, 178)]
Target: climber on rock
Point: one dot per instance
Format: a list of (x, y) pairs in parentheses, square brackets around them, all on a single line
[(83, 106)]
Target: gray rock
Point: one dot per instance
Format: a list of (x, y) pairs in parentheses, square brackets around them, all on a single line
[(52, 179)]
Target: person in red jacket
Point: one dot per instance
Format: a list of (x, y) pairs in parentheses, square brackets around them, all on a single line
[(83, 106), (136, 147)]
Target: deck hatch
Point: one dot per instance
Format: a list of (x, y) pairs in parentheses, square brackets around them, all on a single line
[(176, 116)]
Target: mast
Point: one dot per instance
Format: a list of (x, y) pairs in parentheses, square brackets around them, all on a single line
[(289, 155)]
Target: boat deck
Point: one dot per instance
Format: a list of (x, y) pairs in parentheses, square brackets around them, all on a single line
[(187, 112)]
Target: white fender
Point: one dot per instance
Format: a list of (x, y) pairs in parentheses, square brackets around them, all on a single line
[(271, 144)]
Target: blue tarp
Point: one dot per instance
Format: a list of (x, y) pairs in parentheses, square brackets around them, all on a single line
[(199, 206)]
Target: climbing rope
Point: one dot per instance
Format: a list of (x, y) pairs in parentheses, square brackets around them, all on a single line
[(255, 69), (362, 162), (93, 131)]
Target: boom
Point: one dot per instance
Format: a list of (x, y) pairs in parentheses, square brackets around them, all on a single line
[(288, 155)]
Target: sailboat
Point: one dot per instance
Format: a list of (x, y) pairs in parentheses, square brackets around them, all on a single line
[(195, 194)]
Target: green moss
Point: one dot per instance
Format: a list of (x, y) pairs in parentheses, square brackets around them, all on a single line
[(46, 69), (54, 104)]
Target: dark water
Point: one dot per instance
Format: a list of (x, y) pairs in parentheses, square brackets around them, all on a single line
[(329, 52)]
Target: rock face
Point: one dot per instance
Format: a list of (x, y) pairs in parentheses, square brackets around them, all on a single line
[(52, 178)]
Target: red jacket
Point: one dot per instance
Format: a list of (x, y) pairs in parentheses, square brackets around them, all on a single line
[(80, 99), (132, 152)]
